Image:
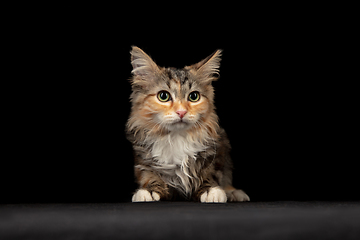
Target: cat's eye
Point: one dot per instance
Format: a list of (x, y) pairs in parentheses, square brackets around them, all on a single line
[(194, 96), (163, 96)]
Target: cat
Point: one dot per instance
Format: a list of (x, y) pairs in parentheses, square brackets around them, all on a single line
[(179, 147)]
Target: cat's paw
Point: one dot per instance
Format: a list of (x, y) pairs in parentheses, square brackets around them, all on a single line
[(237, 195), (143, 195), (214, 195)]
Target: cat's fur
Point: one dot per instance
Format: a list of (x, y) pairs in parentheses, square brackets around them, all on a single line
[(174, 153)]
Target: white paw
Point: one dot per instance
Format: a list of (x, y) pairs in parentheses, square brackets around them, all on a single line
[(237, 196), (143, 195), (214, 195)]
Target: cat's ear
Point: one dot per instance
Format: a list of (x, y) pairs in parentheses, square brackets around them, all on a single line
[(142, 64), (207, 70)]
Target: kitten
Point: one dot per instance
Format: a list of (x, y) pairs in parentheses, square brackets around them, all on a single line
[(178, 145)]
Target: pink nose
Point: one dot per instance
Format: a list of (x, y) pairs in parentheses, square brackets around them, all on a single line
[(181, 113)]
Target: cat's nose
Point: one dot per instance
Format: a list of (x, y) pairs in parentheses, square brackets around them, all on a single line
[(181, 113)]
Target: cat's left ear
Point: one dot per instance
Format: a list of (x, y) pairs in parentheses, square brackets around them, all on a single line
[(207, 70)]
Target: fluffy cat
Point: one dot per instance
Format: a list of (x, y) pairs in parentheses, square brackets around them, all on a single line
[(179, 147)]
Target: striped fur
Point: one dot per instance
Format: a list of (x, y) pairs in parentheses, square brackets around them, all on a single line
[(186, 156)]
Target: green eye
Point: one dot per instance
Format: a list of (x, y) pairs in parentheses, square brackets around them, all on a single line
[(163, 96), (194, 96)]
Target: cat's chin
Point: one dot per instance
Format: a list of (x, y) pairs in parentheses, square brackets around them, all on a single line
[(178, 126)]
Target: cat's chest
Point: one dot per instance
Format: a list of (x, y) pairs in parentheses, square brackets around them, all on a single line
[(175, 150)]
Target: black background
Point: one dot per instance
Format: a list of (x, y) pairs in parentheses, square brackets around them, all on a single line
[(280, 98)]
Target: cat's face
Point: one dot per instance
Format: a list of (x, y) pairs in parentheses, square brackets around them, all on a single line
[(176, 101), (169, 98)]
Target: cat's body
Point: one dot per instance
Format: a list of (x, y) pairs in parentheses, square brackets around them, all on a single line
[(178, 145)]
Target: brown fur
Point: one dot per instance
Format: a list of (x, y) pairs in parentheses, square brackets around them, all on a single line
[(152, 130)]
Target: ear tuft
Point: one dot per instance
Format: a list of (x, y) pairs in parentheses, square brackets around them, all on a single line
[(142, 64), (208, 69)]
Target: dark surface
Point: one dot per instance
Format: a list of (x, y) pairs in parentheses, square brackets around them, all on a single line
[(181, 220)]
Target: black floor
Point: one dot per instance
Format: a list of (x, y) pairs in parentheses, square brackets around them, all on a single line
[(181, 220)]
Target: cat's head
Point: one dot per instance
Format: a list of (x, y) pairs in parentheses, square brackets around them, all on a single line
[(169, 99)]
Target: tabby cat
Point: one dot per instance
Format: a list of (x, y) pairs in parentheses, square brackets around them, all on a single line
[(179, 147)]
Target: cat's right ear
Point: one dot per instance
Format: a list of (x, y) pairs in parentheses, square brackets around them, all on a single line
[(143, 65), (207, 70)]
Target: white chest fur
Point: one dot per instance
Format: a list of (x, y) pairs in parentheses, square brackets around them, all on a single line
[(175, 149), (175, 155)]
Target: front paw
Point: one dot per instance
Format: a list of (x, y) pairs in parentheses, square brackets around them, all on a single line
[(214, 195), (143, 195)]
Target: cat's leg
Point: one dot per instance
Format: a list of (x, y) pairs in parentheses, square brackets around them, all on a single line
[(212, 191), (151, 187), (232, 194), (226, 167)]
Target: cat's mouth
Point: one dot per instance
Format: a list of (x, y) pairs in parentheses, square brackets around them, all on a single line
[(178, 125), (181, 121)]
